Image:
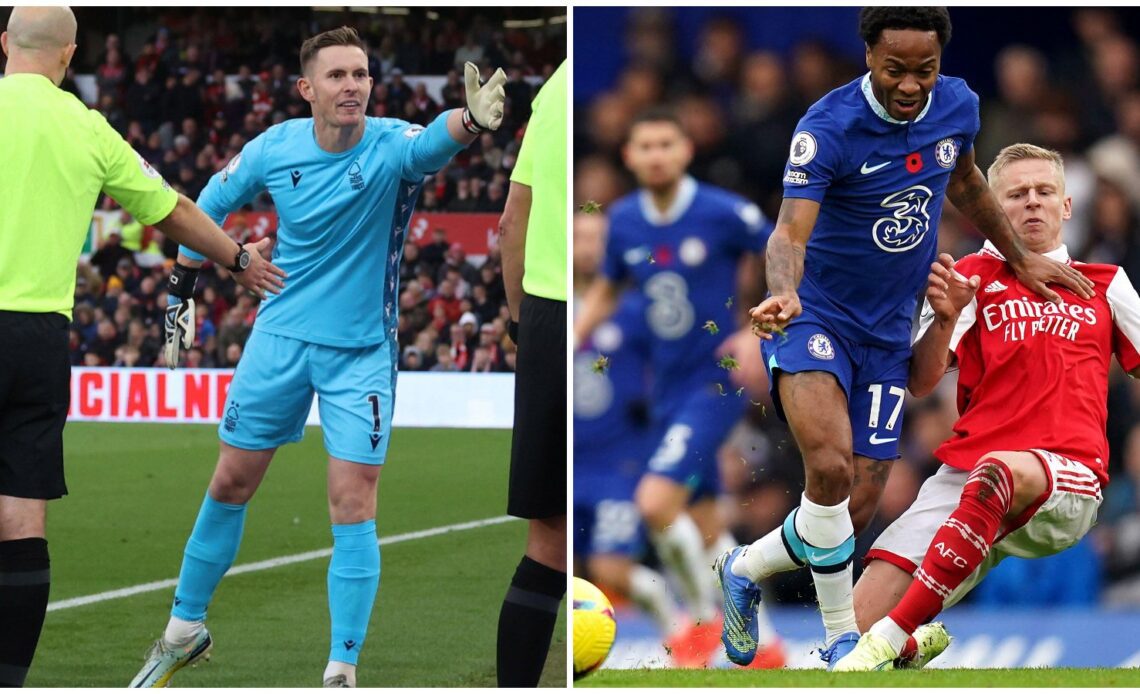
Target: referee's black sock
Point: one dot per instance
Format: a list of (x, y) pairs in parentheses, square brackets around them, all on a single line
[(526, 622), (25, 579)]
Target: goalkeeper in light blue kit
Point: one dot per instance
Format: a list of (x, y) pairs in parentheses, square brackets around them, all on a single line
[(344, 186)]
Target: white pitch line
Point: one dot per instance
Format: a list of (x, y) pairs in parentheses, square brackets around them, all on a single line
[(272, 563)]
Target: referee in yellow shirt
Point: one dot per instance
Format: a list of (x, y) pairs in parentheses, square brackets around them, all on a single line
[(533, 242), (57, 157)]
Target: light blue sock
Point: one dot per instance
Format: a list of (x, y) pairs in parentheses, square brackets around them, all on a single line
[(792, 541), (210, 552), (354, 576)]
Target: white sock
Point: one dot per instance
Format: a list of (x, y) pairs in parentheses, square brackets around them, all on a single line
[(893, 633), (180, 632), (836, 603), (649, 590), (723, 543), (335, 667), (825, 527), (681, 548), (765, 557)]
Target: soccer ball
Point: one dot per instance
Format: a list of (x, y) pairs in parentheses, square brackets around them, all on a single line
[(594, 627)]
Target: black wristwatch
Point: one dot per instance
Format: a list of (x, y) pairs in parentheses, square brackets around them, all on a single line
[(241, 260)]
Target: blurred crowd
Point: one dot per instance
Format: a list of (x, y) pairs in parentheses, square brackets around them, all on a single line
[(740, 104), (453, 315), (189, 88)]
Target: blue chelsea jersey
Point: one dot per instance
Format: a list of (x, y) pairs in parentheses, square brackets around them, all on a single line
[(684, 261), (606, 400), (342, 221), (880, 183)]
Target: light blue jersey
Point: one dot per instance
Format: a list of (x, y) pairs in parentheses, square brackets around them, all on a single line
[(342, 219)]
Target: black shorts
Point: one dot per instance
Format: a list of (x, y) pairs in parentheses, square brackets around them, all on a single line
[(538, 444), (35, 392)]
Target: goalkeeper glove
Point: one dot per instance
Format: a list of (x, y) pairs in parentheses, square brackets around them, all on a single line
[(484, 104), (179, 324)]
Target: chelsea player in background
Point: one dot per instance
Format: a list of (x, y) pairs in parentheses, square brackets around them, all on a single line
[(868, 169), (612, 442), (344, 186), (682, 244)]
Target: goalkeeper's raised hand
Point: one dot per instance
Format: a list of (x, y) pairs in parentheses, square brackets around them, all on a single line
[(484, 103)]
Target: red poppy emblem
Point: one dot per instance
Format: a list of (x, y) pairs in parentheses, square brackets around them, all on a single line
[(914, 162)]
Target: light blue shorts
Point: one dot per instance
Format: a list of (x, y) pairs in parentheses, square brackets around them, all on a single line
[(272, 393)]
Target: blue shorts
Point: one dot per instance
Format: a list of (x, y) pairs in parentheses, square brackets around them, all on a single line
[(272, 393), (606, 519), (873, 379), (692, 433)]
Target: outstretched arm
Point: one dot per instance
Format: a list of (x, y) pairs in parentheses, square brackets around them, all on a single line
[(192, 228), (188, 225), (484, 106), (785, 266), (427, 150)]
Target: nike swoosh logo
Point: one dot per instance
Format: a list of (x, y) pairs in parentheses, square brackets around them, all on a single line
[(871, 169), (875, 439), (821, 557)]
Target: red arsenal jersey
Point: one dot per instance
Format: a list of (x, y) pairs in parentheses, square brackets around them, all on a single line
[(1033, 374)]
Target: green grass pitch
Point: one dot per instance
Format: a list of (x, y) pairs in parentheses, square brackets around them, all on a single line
[(134, 494), (1023, 677)]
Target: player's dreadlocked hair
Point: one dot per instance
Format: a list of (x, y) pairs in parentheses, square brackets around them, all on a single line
[(342, 36), (873, 20)]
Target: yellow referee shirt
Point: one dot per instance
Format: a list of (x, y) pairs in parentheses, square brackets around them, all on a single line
[(542, 166), (57, 156)]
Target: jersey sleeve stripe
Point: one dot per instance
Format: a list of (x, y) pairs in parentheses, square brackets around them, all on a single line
[(966, 321), (925, 318), (1125, 305)]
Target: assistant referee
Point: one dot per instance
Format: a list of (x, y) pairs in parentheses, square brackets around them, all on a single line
[(57, 157), (533, 243)]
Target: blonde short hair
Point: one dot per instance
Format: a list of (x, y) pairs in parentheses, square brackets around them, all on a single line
[(1021, 151)]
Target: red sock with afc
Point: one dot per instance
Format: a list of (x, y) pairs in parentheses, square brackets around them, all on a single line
[(960, 544)]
